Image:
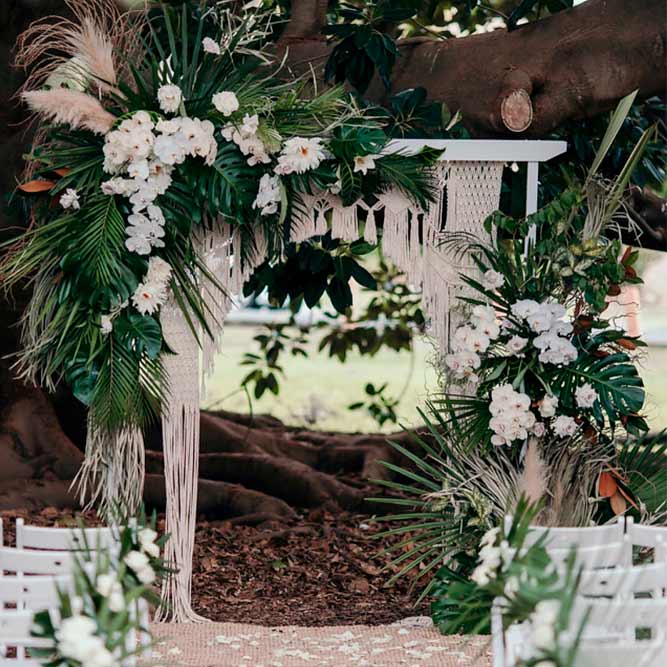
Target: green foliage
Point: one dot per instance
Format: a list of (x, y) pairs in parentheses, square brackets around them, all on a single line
[(378, 405)]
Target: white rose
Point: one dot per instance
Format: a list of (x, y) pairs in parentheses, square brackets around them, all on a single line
[(226, 102), (493, 280), (169, 96), (146, 575), (564, 426), (586, 396), (543, 636), (538, 429), (104, 584), (548, 406), (136, 561)]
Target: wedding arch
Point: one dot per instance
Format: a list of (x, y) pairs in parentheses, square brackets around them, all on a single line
[(469, 176), (157, 189)]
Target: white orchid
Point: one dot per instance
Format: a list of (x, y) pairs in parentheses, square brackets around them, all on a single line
[(70, 199), (363, 163), (586, 396), (169, 97)]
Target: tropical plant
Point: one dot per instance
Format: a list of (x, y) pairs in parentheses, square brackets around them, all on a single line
[(169, 122)]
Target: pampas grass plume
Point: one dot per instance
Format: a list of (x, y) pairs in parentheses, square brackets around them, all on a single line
[(70, 107)]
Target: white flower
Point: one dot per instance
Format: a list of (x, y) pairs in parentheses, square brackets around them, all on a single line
[(543, 636), (136, 560), (159, 271), (516, 344), (119, 186), (538, 429), (300, 155), (75, 627), (70, 199), (250, 125), (363, 163), (146, 575), (117, 600), (268, 195), (138, 169), (512, 586), (106, 325), (483, 314), (152, 549), (586, 396), (147, 299), (548, 406), (564, 426), (490, 536), (169, 96), (138, 244), (493, 280), (211, 46), (511, 415), (226, 102), (171, 148), (524, 308), (104, 584)]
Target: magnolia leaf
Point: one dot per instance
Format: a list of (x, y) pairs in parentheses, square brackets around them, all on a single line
[(37, 185), (618, 504), (607, 485)]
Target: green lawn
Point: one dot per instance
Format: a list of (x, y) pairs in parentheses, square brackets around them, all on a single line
[(317, 390)]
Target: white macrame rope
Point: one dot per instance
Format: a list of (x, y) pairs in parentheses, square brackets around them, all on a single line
[(180, 435), (411, 238)]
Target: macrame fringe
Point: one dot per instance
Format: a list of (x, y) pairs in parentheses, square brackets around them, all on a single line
[(180, 435), (111, 477)]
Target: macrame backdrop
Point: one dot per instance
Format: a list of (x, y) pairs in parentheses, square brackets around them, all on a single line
[(411, 238)]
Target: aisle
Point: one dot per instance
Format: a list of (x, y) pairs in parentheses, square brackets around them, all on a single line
[(410, 643)]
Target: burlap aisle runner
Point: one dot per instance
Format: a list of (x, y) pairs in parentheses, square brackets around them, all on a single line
[(411, 643)]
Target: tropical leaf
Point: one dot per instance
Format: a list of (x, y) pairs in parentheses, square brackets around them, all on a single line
[(614, 377)]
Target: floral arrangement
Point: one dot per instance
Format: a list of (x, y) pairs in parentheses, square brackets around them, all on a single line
[(95, 619), (536, 358), (156, 125)]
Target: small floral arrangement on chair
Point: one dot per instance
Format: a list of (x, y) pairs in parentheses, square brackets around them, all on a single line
[(92, 624), (526, 585)]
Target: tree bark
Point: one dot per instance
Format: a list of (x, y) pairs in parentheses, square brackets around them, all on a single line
[(574, 64)]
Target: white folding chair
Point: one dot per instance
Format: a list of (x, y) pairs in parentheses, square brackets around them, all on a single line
[(625, 582), (15, 632), (63, 539), (33, 593), (621, 654), (597, 546), (22, 562), (651, 537), (77, 539)]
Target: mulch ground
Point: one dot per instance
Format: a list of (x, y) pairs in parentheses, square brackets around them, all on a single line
[(322, 570)]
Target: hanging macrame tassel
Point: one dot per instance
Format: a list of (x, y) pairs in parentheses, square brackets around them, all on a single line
[(370, 229), (321, 226), (303, 221), (415, 263), (180, 432), (112, 474), (344, 222)]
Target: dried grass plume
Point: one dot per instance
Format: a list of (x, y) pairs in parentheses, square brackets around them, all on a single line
[(71, 107)]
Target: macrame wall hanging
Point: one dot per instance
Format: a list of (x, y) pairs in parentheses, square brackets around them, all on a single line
[(410, 237)]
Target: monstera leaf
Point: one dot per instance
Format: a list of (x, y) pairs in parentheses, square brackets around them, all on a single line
[(616, 380)]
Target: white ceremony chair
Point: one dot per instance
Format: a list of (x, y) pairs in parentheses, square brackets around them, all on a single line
[(63, 539), (622, 654), (72, 540), (597, 546), (15, 628)]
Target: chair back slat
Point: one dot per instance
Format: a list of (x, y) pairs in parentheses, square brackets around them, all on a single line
[(21, 561), (38, 592), (625, 582), (647, 536), (589, 536), (62, 539), (621, 654)]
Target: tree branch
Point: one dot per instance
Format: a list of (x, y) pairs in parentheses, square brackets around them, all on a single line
[(571, 65), (307, 18)]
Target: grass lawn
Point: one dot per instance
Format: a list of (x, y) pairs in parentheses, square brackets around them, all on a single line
[(316, 391)]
